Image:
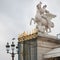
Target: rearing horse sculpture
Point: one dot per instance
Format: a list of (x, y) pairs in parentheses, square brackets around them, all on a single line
[(43, 18)]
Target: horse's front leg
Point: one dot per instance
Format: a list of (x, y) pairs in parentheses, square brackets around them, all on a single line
[(31, 20)]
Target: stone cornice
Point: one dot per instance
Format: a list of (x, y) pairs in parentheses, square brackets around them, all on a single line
[(49, 38), (27, 37)]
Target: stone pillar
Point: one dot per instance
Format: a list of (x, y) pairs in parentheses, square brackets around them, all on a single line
[(21, 52)]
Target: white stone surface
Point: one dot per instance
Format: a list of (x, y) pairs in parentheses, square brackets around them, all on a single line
[(47, 36), (53, 53), (44, 46)]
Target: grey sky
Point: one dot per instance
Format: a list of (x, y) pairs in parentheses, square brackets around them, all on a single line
[(15, 16)]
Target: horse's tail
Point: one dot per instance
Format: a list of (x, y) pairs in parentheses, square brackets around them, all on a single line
[(31, 20)]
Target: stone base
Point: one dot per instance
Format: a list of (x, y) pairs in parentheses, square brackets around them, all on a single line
[(47, 35), (36, 48), (45, 43)]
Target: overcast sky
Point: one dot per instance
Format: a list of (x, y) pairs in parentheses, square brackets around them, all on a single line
[(15, 17)]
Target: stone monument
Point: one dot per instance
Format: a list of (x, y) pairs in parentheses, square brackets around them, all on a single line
[(43, 20)]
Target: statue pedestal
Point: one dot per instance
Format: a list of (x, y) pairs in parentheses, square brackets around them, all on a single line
[(36, 47), (45, 43), (46, 35)]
